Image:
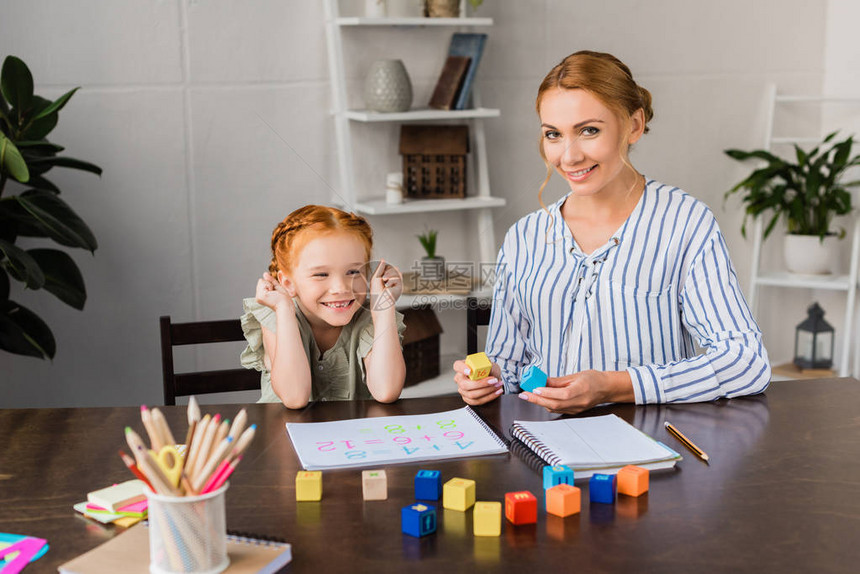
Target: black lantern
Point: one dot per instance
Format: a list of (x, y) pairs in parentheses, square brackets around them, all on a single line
[(813, 341)]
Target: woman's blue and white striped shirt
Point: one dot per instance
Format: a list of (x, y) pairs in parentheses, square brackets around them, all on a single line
[(662, 284)]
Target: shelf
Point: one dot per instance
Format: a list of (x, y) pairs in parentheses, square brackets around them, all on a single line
[(829, 99), (422, 114), (419, 21), (380, 207), (785, 279), (441, 301)]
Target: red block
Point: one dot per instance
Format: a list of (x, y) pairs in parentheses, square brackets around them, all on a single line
[(521, 507)]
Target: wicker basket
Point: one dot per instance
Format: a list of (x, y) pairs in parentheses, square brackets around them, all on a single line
[(434, 161)]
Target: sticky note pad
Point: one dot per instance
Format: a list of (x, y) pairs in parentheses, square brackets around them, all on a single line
[(118, 495)]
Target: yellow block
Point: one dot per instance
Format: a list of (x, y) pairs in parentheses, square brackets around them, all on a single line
[(479, 366), (309, 485), (458, 494), (487, 519)]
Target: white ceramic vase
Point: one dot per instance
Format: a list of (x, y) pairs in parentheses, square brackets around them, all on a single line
[(387, 87), (808, 255)]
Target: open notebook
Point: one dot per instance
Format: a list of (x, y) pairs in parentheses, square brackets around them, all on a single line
[(593, 444), (128, 553)]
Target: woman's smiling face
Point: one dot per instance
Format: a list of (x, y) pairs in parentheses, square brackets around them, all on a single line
[(585, 141)]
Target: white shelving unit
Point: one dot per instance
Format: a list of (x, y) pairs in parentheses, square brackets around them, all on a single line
[(844, 283), (481, 200)]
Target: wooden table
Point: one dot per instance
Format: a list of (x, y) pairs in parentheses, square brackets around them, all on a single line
[(782, 493)]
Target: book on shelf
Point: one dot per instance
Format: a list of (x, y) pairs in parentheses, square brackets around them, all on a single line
[(129, 553), (450, 81), (468, 46), (589, 445)]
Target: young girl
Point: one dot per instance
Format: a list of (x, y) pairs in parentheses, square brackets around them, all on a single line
[(309, 331), (611, 288)]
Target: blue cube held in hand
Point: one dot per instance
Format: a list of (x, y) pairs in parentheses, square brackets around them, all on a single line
[(601, 488), (555, 475), (418, 519), (428, 485), (533, 378)]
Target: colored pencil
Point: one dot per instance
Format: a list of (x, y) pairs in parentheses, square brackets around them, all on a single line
[(129, 462)]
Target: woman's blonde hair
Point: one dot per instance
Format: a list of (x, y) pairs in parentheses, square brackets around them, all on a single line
[(604, 76), (302, 225)]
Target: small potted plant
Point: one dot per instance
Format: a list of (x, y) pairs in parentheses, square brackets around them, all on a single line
[(806, 193), (432, 266)]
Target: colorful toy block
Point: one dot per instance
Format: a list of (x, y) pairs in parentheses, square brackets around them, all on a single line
[(428, 485), (632, 480), (563, 500), (309, 485), (533, 378), (418, 519), (558, 474), (601, 488), (487, 519), (458, 494), (479, 366), (374, 485), (521, 507)]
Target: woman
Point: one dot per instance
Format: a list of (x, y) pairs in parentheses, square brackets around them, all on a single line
[(610, 289)]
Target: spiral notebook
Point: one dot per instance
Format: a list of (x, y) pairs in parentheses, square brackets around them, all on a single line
[(593, 444), (375, 441), (128, 553)]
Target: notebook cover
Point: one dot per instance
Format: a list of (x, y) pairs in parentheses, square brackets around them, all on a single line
[(129, 553), (470, 46), (450, 81)]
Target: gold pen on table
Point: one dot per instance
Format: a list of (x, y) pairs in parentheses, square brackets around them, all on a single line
[(687, 442)]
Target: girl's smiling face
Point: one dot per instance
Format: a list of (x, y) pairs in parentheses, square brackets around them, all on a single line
[(585, 141), (327, 278)]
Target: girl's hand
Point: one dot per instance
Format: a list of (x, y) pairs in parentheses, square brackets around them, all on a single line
[(575, 393), (480, 391), (272, 294), (386, 286)]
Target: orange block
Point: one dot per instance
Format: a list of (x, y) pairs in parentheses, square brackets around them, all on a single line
[(632, 480), (563, 500)]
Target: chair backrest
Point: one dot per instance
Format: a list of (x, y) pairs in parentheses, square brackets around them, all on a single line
[(202, 382), (477, 314)]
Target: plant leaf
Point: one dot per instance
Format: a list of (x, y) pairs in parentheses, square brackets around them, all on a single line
[(40, 128), (21, 265), (57, 104), (66, 162), (5, 285), (62, 276), (24, 333), (39, 144), (40, 182), (16, 83), (11, 161), (58, 220)]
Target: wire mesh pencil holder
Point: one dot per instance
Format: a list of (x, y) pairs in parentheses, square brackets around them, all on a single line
[(188, 534)]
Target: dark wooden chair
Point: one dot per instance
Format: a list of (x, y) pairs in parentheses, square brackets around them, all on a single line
[(477, 314), (202, 382)]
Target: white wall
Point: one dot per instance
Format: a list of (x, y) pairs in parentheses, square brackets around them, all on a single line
[(211, 121)]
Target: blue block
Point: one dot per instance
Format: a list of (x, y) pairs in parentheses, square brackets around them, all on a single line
[(601, 488), (418, 519), (428, 485), (533, 378), (555, 475)]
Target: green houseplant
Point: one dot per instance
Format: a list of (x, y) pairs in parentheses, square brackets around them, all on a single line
[(37, 211), (432, 266), (806, 193)]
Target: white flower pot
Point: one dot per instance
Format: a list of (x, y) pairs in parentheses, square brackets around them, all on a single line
[(808, 255)]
